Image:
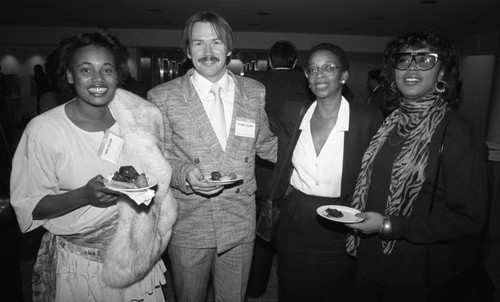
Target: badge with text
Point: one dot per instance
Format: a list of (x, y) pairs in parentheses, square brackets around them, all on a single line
[(245, 127), (111, 147)]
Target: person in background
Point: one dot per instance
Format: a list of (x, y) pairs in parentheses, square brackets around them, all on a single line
[(418, 231), (100, 245), (214, 122), (55, 96), (135, 86), (2, 82), (283, 83), (4, 109), (347, 93), (41, 83), (377, 97), (312, 262)]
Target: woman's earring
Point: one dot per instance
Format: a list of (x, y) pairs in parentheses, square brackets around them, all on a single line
[(440, 86), (394, 87), (342, 82)]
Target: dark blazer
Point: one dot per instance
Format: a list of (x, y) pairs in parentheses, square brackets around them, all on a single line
[(364, 122), (445, 240), (281, 85)]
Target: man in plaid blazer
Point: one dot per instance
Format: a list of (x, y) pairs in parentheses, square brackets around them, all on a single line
[(215, 230)]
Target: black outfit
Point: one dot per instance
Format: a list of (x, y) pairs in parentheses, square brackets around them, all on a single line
[(431, 247), (313, 264), (282, 85), (378, 100), (136, 87)]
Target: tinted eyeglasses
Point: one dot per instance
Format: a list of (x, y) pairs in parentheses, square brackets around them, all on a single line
[(326, 69), (424, 60)]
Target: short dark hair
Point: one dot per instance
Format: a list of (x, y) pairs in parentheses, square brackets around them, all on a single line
[(283, 54), (65, 52), (447, 57), (220, 25), (334, 49)]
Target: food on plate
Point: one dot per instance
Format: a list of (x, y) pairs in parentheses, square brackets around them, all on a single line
[(141, 181), (215, 175), (333, 213), (127, 177)]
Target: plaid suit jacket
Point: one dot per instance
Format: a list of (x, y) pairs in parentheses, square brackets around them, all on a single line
[(227, 219)]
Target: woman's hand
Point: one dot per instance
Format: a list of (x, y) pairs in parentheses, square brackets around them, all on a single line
[(97, 194), (93, 193), (370, 225)]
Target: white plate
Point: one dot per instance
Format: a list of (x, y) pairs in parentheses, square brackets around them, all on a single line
[(347, 211), (152, 181), (224, 180)]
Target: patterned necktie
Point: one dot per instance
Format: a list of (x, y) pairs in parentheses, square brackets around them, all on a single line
[(217, 117)]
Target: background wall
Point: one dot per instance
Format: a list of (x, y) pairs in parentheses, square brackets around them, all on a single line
[(21, 48)]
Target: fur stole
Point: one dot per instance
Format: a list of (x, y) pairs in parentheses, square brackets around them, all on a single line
[(143, 232)]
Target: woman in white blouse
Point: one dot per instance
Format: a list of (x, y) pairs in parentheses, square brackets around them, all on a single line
[(312, 262)]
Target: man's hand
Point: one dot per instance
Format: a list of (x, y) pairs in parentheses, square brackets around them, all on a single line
[(196, 180)]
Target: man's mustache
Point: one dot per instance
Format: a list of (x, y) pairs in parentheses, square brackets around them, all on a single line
[(208, 59)]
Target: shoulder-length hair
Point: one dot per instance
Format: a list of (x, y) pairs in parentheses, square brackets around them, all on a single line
[(220, 25)]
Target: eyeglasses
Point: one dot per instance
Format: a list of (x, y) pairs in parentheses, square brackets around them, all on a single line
[(326, 69), (423, 60)]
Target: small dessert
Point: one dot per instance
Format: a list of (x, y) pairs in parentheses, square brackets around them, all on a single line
[(215, 175), (141, 181), (333, 213)]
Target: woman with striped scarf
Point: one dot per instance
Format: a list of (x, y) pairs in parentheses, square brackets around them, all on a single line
[(411, 239)]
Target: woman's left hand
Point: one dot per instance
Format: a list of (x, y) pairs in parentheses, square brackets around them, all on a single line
[(370, 225)]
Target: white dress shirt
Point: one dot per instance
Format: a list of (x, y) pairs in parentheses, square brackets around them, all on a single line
[(320, 175), (203, 86)]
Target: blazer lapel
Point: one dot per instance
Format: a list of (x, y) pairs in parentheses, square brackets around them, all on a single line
[(240, 110), (199, 117), (351, 149)]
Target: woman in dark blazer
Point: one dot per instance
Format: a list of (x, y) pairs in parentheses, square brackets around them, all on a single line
[(420, 228), (312, 262)]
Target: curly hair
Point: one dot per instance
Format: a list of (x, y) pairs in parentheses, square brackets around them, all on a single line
[(334, 49), (447, 57), (65, 52)]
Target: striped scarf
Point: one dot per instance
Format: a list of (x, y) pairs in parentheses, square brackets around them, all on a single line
[(416, 122)]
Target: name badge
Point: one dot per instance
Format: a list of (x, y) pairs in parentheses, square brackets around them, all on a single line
[(111, 147), (245, 127)]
